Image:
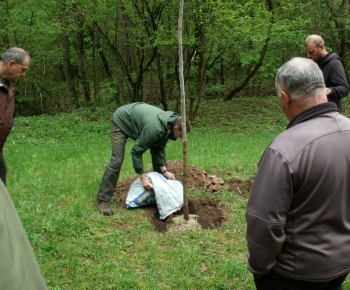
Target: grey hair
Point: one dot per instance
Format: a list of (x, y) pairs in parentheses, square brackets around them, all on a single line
[(316, 39), (301, 78), (16, 54)]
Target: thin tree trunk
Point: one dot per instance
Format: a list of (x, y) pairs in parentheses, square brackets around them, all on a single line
[(161, 83), (183, 111), (339, 17), (109, 73), (68, 71), (80, 48), (95, 64)]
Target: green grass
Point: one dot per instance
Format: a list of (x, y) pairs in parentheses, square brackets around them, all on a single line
[(55, 167)]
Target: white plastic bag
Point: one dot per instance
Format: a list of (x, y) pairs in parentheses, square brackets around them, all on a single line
[(168, 194)]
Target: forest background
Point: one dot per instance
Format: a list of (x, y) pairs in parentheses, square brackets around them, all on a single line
[(89, 57), (95, 53)]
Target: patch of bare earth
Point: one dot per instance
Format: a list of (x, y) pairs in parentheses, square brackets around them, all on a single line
[(205, 213)]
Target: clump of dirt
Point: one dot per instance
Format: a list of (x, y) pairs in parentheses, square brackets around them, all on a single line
[(210, 214)]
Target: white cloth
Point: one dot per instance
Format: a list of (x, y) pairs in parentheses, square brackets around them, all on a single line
[(168, 193)]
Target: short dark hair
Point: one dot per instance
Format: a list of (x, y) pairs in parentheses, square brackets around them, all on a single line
[(178, 123), (16, 54)]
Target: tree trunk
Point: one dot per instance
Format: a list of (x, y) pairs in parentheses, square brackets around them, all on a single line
[(183, 107), (200, 86), (68, 71), (340, 17), (162, 90), (81, 54), (245, 82), (95, 64), (109, 74)]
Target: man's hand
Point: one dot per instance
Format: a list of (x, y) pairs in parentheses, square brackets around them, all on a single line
[(328, 91), (146, 183), (168, 175)]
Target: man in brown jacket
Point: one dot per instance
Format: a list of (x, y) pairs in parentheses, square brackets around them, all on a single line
[(14, 64), (298, 212)]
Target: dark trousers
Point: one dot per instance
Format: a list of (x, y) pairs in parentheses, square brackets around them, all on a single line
[(275, 281), (3, 170), (111, 174)]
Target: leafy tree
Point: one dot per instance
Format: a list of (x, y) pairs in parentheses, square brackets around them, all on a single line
[(91, 53)]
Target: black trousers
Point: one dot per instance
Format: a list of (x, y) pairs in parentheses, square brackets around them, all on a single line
[(275, 281)]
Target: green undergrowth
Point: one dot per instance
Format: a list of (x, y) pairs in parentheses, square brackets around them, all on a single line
[(55, 167)]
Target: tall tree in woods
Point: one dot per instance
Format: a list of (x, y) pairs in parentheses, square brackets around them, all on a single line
[(137, 26), (340, 17), (81, 53), (258, 64), (128, 49), (67, 68)]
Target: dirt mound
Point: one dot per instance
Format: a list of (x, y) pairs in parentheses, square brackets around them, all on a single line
[(211, 214)]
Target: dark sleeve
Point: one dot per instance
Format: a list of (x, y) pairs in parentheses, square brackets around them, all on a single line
[(158, 157), (336, 81), (145, 141), (267, 211)]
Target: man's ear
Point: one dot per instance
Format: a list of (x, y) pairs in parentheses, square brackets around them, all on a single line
[(10, 63), (286, 97)]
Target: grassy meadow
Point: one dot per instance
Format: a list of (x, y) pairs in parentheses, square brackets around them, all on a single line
[(55, 165)]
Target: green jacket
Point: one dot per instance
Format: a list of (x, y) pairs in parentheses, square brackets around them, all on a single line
[(150, 127), (18, 265)]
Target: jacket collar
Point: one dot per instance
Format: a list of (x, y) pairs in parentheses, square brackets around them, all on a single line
[(170, 125), (4, 82), (313, 112)]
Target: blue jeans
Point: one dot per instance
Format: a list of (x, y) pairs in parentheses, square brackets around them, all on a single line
[(275, 281)]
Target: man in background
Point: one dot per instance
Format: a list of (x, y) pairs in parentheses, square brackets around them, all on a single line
[(337, 86), (298, 212), (14, 64), (151, 128)]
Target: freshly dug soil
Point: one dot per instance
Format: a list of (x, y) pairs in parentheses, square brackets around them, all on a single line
[(211, 214)]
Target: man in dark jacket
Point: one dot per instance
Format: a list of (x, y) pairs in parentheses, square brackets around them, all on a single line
[(151, 128), (14, 64), (298, 212), (337, 86)]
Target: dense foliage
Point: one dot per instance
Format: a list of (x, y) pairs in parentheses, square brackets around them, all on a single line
[(93, 53)]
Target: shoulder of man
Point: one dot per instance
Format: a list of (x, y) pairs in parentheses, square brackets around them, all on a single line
[(331, 56)]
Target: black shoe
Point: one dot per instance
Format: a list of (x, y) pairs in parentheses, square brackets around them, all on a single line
[(103, 207)]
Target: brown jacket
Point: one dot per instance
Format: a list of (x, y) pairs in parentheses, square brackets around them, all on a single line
[(298, 213), (7, 109)]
